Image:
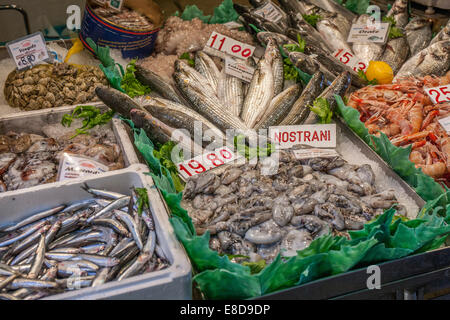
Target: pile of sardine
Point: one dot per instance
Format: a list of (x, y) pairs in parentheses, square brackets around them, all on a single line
[(84, 244), (256, 215), (413, 52)]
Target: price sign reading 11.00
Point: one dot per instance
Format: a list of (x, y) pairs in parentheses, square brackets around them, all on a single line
[(230, 46), (205, 162)]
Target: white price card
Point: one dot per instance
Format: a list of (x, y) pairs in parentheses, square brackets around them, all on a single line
[(28, 51), (350, 60), (206, 162), (269, 12), (115, 4), (439, 94), (239, 69), (368, 33), (316, 135), (301, 154), (445, 123), (229, 46)]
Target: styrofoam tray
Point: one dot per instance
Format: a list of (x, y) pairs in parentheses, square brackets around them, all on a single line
[(173, 282)]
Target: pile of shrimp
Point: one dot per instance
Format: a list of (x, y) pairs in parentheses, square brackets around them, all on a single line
[(406, 114)]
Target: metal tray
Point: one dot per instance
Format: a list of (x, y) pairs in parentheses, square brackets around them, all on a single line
[(171, 283), (33, 121)]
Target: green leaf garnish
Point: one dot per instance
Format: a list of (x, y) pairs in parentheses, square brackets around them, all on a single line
[(131, 85), (312, 19), (92, 117), (394, 32), (321, 107), (363, 76), (186, 56), (142, 199)]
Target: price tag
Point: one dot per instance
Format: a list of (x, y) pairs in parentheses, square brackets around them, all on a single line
[(205, 162), (439, 94), (350, 60), (319, 136), (229, 46), (239, 69), (115, 4), (269, 12), (445, 123), (315, 153), (368, 33), (28, 51)]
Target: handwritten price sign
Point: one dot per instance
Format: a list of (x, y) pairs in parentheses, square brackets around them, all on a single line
[(28, 51), (206, 162), (350, 60), (439, 94), (230, 46)]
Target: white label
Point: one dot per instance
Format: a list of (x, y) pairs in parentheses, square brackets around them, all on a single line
[(269, 12), (28, 51), (229, 46), (205, 162), (445, 123), (301, 154), (115, 4), (350, 60), (368, 33), (233, 25), (74, 167), (320, 136), (239, 69), (439, 94)]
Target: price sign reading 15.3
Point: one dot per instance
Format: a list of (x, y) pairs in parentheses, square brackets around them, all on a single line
[(205, 162), (350, 60), (230, 46)]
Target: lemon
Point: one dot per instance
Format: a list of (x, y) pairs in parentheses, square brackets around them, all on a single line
[(380, 71)]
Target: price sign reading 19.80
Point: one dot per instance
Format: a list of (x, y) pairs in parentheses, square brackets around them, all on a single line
[(28, 51), (350, 60), (439, 94), (205, 162), (230, 46)]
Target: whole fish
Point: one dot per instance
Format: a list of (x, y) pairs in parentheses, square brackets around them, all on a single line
[(117, 204), (261, 90), (38, 259), (279, 107), (444, 34), (207, 68), (333, 6), (161, 132), (131, 225), (279, 38), (155, 82), (300, 110), (116, 100), (277, 70), (34, 218), (207, 105), (399, 12), (434, 60), (308, 33), (418, 33), (231, 93), (396, 53), (334, 35), (367, 51), (135, 267), (338, 87), (310, 64), (104, 194)]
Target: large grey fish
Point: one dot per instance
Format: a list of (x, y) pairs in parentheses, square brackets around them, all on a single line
[(261, 90), (418, 33), (231, 93), (205, 104), (333, 6), (308, 33), (155, 82), (277, 70), (367, 51), (434, 60), (444, 34), (334, 34), (280, 39), (396, 53), (338, 87), (160, 131), (207, 68), (300, 110), (279, 107), (183, 68), (400, 13), (116, 100), (310, 64), (178, 116)]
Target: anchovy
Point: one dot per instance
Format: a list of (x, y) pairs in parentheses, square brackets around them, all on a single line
[(38, 259), (135, 267), (32, 284), (113, 224), (117, 204), (101, 278), (300, 110), (434, 60), (102, 193), (6, 241), (34, 218), (279, 107), (131, 224)]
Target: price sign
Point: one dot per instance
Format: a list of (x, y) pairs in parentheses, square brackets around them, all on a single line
[(368, 33), (319, 136), (115, 4), (350, 60), (302, 154), (229, 46), (445, 123), (439, 94), (269, 12), (239, 69), (28, 51), (205, 162)]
